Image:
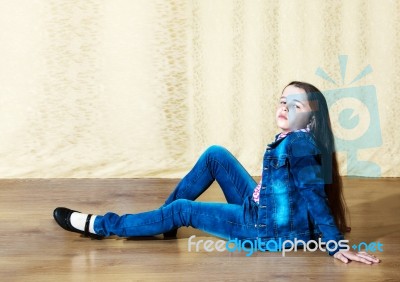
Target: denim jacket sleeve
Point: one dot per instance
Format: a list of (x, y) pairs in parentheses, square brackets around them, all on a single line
[(306, 170)]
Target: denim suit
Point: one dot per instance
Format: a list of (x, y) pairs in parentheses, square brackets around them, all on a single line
[(292, 199), (293, 203)]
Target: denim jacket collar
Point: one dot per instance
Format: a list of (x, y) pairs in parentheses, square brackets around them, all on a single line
[(276, 142)]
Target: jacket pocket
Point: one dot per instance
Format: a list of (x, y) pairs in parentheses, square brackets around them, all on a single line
[(280, 175), (278, 163)]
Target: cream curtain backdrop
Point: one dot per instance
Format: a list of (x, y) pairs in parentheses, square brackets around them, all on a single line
[(139, 88)]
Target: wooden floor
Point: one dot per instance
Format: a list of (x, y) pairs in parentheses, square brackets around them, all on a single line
[(34, 248)]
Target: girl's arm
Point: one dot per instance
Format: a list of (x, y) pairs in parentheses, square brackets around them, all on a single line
[(306, 171)]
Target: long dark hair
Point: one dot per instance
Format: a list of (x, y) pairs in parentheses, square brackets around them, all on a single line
[(320, 128)]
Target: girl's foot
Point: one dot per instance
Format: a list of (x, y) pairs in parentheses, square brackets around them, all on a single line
[(76, 222)]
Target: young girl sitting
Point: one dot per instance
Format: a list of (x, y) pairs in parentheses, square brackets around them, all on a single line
[(298, 198)]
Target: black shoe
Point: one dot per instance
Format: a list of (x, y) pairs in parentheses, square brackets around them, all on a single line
[(63, 218), (171, 234)]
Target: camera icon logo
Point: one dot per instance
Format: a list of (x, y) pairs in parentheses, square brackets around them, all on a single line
[(355, 120)]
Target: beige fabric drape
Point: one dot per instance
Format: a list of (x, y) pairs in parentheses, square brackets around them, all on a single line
[(140, 88)]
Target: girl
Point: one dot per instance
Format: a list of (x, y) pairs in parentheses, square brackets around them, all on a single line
[(298, 198)]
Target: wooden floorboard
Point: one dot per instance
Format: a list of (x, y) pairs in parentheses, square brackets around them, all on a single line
[(34, 248)]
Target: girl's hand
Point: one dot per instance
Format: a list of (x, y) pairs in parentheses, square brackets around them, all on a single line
[(347, 256)]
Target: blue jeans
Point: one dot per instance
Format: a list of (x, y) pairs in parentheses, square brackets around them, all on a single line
[(235, 219)]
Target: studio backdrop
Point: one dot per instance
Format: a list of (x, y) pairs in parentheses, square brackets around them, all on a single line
[(140, 88)]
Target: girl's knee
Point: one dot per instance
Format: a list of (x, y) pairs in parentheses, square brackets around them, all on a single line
[(180, 211), (216, 151), (181, 204)]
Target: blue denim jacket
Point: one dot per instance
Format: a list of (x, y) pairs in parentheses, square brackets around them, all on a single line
[(293, 203)]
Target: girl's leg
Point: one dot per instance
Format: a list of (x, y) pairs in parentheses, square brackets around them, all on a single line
[(223, 220), (216, 163)]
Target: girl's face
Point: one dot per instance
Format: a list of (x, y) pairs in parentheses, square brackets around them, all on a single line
[(293, 111)]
